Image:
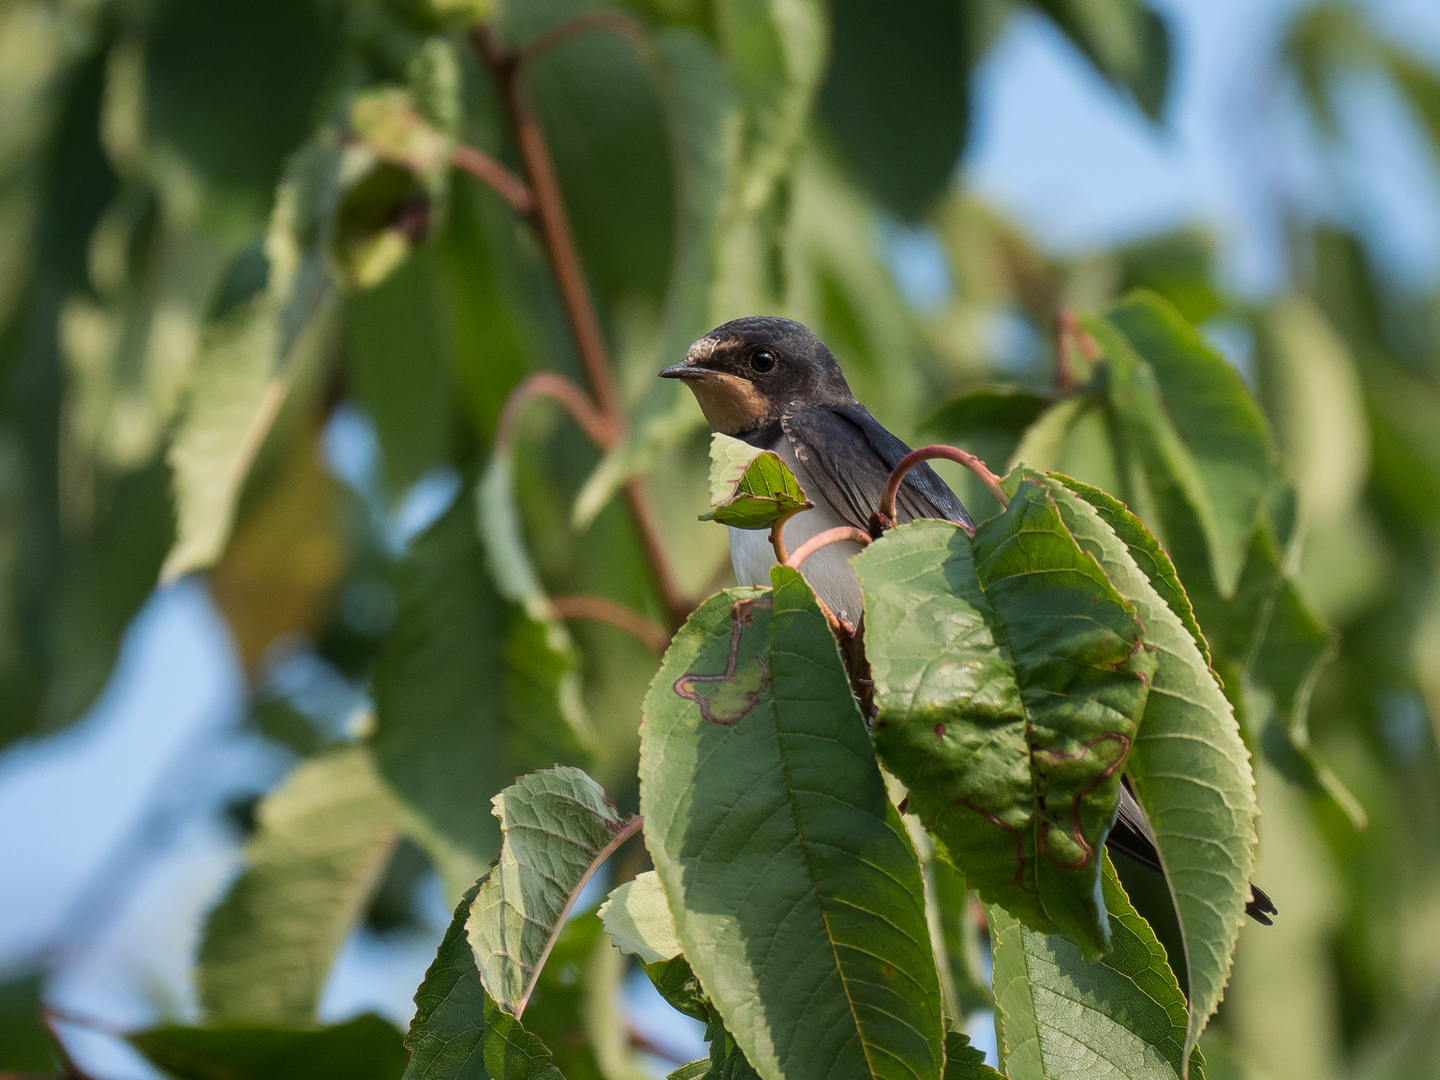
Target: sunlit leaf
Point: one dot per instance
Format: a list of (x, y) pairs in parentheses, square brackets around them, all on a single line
[(366, 1048), (558, 825), (1058, 1016), (795, 892), (1189, 766), (637, 918), (1010, 677), (750, 490), (322, 842)]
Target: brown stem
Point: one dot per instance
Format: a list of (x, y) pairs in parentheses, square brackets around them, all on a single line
[(597, 425), (838, 535), (553, 223), (510, 187), (1069, 334), (950, 453), (613, 22), (777, 532), (599, 609)]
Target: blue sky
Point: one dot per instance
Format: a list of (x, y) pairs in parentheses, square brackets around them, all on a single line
[(1053, 146)]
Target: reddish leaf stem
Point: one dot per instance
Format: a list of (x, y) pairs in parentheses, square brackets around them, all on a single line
[(599, 609), (777, 532), (596, 424), (1071, 336), (509, 186), (553, 224), (950, 453), (838, 535), (614, 22)]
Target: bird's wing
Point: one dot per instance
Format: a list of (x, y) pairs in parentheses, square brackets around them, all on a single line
[(1133, 838), (849, 456)]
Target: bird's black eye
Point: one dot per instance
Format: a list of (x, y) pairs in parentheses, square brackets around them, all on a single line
[(762, 361)]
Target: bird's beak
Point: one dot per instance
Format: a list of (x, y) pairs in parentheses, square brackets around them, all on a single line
[(686, 370)]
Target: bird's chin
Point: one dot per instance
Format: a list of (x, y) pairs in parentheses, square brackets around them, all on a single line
[(730, 404)]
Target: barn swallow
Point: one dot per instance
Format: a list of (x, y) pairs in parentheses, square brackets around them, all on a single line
[(774, 384)]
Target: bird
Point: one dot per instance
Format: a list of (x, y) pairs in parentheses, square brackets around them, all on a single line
[(774, 384)]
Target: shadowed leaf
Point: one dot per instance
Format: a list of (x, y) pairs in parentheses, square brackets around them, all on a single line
[(366, 1048)]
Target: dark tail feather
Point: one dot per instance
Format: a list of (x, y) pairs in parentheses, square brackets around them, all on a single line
[(1132, 838)]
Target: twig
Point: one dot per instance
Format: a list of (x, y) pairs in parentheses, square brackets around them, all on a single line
[(599, 609), (1069, 333), (596, 424), (614, 22), (838, 535), (510, 187), (553, 223), (886, 512)]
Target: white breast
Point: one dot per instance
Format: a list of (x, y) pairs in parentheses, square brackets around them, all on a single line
[(828, 571)]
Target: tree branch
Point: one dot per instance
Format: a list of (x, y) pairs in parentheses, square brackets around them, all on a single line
[(600, 427), (885, 515), (553, 223), (599, 609), (509, 186), (613, 22)]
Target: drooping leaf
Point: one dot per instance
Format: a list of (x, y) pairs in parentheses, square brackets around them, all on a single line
[(795, 892), (558, 826), (1058, 1016), (469, 692), (1202, 439), (750, 490), (322, 842), (366, 1048), (1010, 677), (1126, 41), (637, 918), (886, 59), (446, 1037), (1189, 766)]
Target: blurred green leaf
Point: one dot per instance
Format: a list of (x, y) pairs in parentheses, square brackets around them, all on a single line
[(1179, 266), (1126, 40), (460, 710), (557, 827), (795, 891), (1189, 766), (322, 843), (25, 1042), (366, 1048), (886, 61), (1007, 706), (1058, 1016), (1203, 441)]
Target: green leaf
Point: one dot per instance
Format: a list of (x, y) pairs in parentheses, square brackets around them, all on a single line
[(1058, 1016), (886, 59), (558, 827), (964, 1062), (25, 1043), (469, 692), (1202, 439), (366, 1048), (1010, 677), (511, 1052), (1126, 41), (795, 891), (696, 1070), (447, 1033), (775, 52), (750, 490), (322, 842), (1189, 766), (638, 919)]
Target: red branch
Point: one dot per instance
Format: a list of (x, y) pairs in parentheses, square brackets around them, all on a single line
[(886, 513), (838, 535), (596, 424), (553, 224), (599, 609), (510, 187)]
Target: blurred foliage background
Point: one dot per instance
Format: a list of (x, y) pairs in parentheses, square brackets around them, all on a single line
[(256, 336)]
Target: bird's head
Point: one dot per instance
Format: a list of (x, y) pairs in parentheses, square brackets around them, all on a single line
[(746, 372)]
